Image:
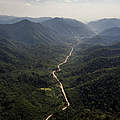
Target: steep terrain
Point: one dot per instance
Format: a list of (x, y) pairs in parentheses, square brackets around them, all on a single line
[(26, 32), (4, 19), (26, 59), (68, 29), (29, 55), (107, 37), (92, 83), (104, 24)]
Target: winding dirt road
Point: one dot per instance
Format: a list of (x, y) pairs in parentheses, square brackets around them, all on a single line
[(60, 84)]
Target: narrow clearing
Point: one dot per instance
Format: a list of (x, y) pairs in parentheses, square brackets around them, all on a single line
[(60, 84)]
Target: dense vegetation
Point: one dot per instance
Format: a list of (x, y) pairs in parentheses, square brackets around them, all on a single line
[(30, 51), (104, 24), (27, 90), (107, 37), (92, 83)]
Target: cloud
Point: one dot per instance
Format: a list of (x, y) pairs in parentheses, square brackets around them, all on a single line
[(70, 0), (80, 9), (28, 4), (67, 1)]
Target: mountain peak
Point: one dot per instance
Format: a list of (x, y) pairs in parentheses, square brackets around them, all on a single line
[(25, 21), (57, 19)]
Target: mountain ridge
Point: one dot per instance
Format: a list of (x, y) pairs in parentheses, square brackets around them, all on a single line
[(68, 29), (26, 31), (104, 24), (4, 19)]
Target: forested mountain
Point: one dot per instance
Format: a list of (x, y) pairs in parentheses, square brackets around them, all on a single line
[(53, 31), (26, 32), (27, 55), (104, 24), (10, 52), (4, 19), (68, 29), (107, 37), (30, 51), (92, 82), (26, 89)]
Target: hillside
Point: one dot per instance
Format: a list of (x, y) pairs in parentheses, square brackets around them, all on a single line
[(26, 87), (26, 32), (104, 24), (107, 37), (4, 19), (91, 80), (30, 52), (68, 29)]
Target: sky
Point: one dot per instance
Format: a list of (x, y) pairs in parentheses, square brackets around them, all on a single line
[(84, 10)]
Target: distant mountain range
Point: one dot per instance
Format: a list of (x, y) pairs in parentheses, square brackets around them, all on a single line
[(47, 30), (26, 31), (38, 38), (12, 19), (104, 24), (107, 37), (68, 28), (31, 48), (58, 29), (96, 26)]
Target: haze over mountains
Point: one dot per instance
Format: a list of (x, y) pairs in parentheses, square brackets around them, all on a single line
[(107, 37), (65, 29), (68, 28), (31, 48), (12, 19), (104, 24), (25, 31), (56, 28)]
